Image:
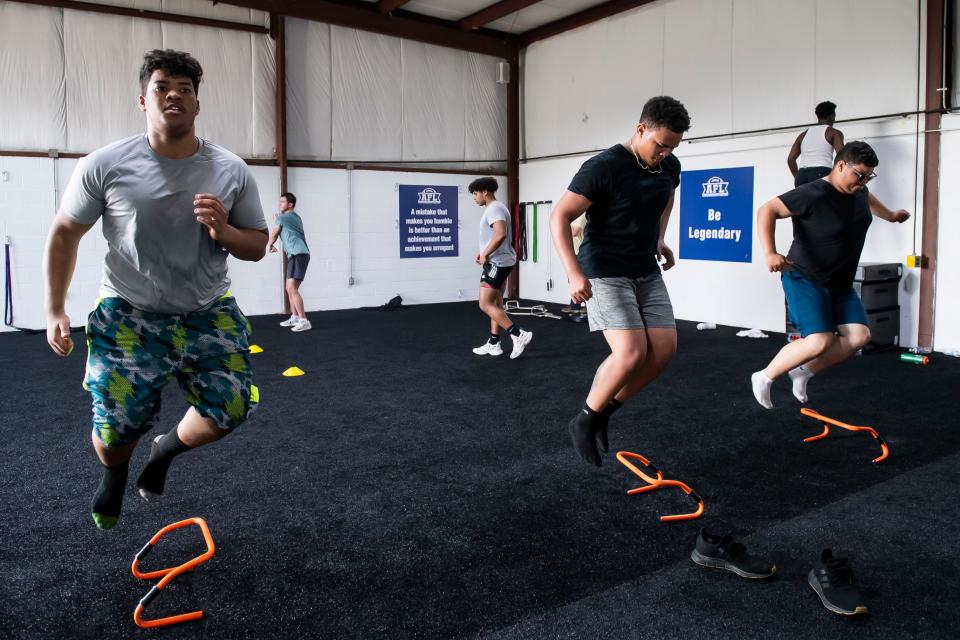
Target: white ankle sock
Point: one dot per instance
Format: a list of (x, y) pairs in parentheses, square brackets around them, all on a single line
[(761, 389), (800, 376)]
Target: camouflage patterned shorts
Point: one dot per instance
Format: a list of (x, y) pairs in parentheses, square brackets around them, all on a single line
[(133, 354)]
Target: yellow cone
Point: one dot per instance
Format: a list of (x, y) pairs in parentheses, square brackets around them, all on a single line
[(293, 371), (255, 349)]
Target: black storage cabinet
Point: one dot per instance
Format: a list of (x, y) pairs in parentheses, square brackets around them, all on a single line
[(878, 284)]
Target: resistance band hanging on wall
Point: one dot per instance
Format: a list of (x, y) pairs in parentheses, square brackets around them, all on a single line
[(534, 231), (8, 291), (520, 224), (520, 231)]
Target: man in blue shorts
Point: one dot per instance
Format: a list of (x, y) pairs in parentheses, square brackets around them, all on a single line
[(627, 194), (173, 206), (289, 229), (830, 217)]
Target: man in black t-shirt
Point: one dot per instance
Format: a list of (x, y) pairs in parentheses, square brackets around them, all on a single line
[(830, 220), (627, 194)]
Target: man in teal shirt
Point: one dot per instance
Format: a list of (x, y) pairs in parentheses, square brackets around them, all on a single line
[(289, 229)]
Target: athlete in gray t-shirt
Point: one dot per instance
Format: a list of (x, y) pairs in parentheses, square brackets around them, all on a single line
[(158, 258), (172, 207), (497, 257)]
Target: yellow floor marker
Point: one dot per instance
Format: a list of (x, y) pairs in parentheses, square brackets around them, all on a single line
[(255, 349), (293, 371)]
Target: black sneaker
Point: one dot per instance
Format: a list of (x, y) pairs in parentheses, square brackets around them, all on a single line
[(834, 582), (723, 553)]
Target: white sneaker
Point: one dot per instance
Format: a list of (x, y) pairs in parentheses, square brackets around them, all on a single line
[(520, 343), (302, 325), (488, 349), (289, 322)]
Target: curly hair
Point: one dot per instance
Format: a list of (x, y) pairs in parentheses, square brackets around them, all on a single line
[(483, 184), (825, 109), (175, 63), (664, 111)]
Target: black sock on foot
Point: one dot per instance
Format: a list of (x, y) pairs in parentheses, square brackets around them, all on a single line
[(162, 452), (109, 496), (514, 330), (603, 420), (583, 434), (494, 338)]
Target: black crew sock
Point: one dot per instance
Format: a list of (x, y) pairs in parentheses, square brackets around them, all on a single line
[(109, 496), (602, 422), (514, 330), (494, 338), (583, 434), (154, 475)]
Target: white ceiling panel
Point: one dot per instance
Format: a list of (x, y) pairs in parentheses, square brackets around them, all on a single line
[(447, 9), (534, 16)]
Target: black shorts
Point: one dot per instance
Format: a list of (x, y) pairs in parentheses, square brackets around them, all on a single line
[(809, 174), (297, 266), (494, 276)]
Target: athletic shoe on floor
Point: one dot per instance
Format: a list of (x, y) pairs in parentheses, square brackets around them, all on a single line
[(489, 349), (302, 325), (289, 322), (833, 580), (724, 553), (520, 343)]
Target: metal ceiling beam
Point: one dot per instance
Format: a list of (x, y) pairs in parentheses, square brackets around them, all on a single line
[(366, 17), (148, 15), (593, 14), (493, 12), (386, 6)]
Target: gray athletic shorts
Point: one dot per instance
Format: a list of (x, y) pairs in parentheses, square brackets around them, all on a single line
[(297, 266), (630, 303)]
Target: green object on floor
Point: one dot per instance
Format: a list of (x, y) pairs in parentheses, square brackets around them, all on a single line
[(915, 358)]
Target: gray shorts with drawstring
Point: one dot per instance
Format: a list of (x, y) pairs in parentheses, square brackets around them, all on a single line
[(630, 303)]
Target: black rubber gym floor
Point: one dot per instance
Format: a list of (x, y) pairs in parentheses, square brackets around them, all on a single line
[(406, 488)]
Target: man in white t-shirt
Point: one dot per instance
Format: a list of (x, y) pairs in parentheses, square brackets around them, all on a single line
[(497, 258), (172, 206)]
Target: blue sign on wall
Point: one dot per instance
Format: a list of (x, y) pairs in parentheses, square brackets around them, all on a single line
[(716, 214), (428, 221)]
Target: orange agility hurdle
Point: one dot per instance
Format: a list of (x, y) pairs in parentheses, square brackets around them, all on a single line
[(826, 422), (659, 483), (167, 575)]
